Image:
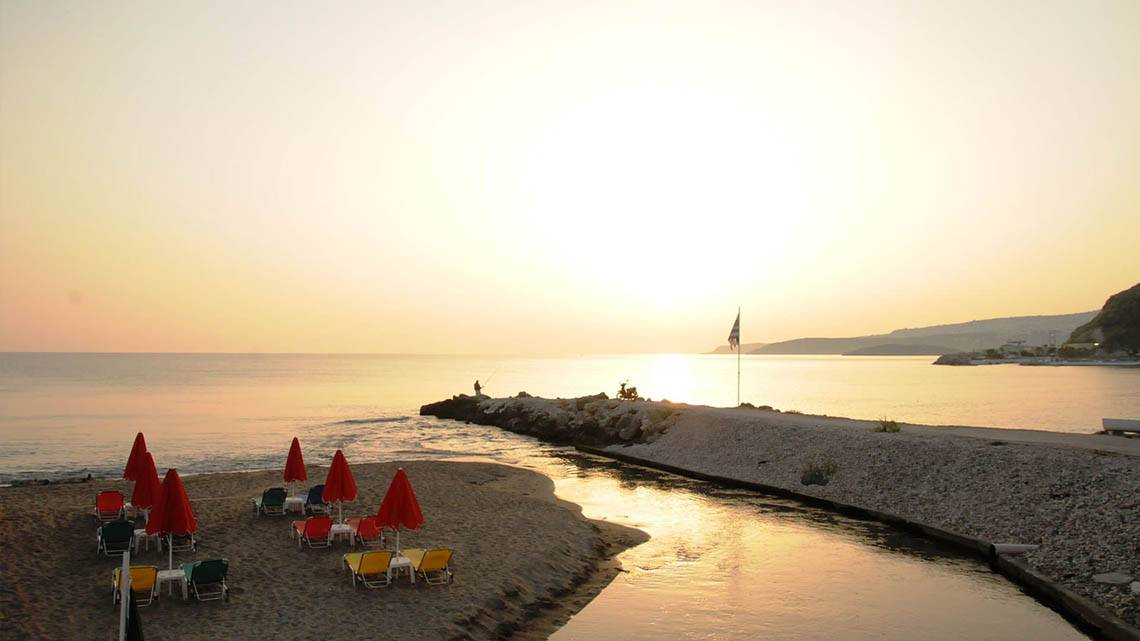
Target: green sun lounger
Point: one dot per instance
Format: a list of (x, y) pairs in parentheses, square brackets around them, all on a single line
[(272, 501), (115, 537), (207, 579)]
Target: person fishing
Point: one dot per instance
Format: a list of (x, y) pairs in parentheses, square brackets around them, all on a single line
[(478, 388)]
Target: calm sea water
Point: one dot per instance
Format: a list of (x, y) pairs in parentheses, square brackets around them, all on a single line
[(66, 413), (721, 564)]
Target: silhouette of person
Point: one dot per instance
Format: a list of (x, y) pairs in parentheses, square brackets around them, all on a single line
[(478, 388)]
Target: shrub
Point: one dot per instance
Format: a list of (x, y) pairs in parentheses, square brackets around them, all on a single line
[(792, 412), (819, 473), (887, 425)]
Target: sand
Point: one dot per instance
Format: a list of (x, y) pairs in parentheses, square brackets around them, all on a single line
[(524, 561)]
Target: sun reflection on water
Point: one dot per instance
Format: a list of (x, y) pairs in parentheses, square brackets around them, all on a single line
[(669, 377)]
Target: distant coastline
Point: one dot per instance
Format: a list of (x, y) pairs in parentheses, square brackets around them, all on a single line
[(932, 340), (968, 360)]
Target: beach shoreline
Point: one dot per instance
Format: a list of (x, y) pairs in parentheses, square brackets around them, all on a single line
[(1074, 496), (525, 561)]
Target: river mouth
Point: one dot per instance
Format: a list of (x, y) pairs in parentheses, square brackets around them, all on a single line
[(731, 565)]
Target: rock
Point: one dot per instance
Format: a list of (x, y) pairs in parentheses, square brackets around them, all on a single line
[(1135, 587), (588, 420), (955, 359), (1112, 578)]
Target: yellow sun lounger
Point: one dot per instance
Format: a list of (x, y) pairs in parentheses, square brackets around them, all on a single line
[(144, 584), (432, 564), (372, 568)]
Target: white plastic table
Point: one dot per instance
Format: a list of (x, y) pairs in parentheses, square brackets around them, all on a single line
[(141, 538), (404, 563), (172, 576), (342, 529), (294, 504)]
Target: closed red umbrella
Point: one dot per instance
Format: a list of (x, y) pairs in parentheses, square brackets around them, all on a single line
[(295, 464), (339, 484), (135, 462), (171, 513), (147, 486), (400, 507)]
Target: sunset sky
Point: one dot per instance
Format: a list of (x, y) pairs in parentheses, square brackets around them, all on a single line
[(557, 176)]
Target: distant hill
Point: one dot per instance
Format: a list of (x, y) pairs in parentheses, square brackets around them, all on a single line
[(900, 349), (1116, 326), (745, 348), (958, 337)]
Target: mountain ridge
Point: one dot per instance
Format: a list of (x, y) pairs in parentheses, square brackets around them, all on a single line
[(966, 336)]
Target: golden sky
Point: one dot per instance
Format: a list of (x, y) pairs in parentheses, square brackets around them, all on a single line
[(557, 176)]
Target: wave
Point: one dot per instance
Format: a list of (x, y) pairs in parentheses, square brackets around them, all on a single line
[(366, 421)]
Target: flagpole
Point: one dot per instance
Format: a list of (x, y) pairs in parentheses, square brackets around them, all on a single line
[(738, 362)]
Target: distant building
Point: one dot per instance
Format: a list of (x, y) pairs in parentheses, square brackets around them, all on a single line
[(1013, 347)]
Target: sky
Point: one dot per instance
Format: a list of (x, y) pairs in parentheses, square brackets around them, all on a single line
[(557, 177)]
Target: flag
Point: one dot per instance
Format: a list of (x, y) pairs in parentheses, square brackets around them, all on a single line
[(134, 622), (734, 335)]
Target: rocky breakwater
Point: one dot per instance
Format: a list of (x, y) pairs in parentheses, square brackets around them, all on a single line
[(588, 420)]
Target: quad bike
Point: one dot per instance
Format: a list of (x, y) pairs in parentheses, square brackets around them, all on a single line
[(627, 393)]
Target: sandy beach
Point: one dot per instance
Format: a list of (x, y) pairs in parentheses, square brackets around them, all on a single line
[(1076, 496), (524, 561)]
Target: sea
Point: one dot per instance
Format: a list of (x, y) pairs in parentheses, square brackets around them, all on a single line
[(70, 414), (720, 564)]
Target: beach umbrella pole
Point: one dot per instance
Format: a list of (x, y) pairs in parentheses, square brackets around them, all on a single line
[(170, 549), (124, 593)]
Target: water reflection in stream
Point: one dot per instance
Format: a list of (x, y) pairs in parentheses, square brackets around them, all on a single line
[(729, 564)]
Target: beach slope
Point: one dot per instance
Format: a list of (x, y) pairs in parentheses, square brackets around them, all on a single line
[(524, 561)]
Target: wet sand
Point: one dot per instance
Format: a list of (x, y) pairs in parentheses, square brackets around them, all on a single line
[(524, 562)]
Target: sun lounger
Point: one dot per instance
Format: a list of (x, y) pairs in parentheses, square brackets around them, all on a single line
[(315, 531), (315, 502), (272, 501), (372, 568), (114, 538), (144, 584), (432, 565), (207, 579), (109, 505), (367, 532), (183, 543)]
